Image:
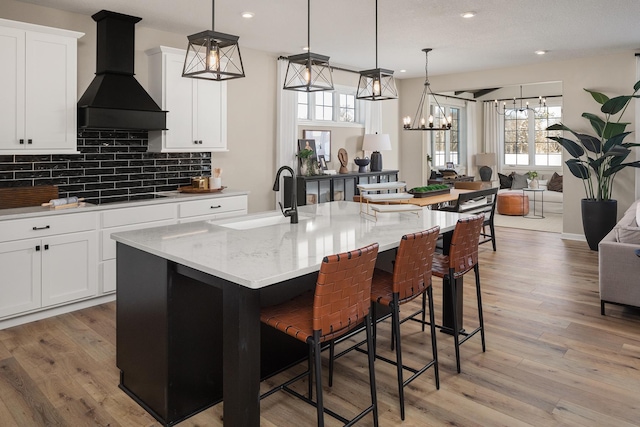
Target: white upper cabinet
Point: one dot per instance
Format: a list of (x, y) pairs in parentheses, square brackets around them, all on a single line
[(197, 108), (38, 82)]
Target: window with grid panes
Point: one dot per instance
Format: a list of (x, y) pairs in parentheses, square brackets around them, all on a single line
[(446, 145), (347, 105), (303, 105), (323, 106), (525, 136)]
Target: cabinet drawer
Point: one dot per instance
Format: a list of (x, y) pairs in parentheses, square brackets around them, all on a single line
[(46, 226), (137, 215), (212, 206)]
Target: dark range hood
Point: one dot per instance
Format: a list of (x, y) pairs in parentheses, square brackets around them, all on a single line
[(115, 99)]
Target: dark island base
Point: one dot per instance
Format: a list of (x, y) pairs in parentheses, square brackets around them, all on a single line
[(169, 336)]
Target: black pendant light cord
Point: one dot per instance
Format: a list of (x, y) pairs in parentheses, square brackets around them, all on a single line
[(213, 15), (309, 25), (376, 33)]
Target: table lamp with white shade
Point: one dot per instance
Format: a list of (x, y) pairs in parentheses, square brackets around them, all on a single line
[(376, 143), (484, 161)]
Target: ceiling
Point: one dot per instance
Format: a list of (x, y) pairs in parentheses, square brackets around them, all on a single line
[(502, 34)]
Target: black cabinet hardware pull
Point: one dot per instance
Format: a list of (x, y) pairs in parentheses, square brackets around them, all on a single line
[(37, 248), (21, 141), (46, 247), (216, 207), (29, 141), (46, 227)]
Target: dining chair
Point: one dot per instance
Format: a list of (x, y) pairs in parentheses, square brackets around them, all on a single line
[(339, 304), (462, 258)]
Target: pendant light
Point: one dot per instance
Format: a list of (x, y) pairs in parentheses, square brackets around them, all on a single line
[(377, 84), (212, 55), (419, 122), (308, 72)]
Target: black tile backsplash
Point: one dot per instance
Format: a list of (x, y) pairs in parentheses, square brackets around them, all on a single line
[(113, 166)]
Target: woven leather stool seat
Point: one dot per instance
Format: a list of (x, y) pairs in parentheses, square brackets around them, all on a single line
[(340, 303), (513, 203)]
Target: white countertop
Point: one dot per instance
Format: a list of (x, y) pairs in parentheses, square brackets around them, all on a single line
[(259, 257), (171, 197)]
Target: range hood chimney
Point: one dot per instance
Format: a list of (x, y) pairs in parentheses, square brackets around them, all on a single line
[(115, 99)]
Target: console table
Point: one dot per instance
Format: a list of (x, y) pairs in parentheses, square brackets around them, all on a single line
[(329, 188)]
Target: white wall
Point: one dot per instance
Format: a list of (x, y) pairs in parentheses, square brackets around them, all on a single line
[(613, 74)]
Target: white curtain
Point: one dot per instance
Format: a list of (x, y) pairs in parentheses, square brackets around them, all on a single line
[(372, 117), (472, 132), (287, 124), (493, 132)]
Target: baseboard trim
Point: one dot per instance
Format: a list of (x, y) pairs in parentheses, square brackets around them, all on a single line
[(572, 236)]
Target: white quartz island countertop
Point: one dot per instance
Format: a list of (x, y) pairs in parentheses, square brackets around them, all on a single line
[(259, 250)]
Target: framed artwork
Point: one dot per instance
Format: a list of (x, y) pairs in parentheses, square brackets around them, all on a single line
[(307, 144), (322, 163), (449, 165), (323, 142)]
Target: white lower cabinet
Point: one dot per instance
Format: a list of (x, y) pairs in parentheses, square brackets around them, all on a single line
[(49, 269), (53, 262), (126, 219)]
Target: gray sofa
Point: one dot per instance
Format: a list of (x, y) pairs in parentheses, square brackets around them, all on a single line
[(618, 264)]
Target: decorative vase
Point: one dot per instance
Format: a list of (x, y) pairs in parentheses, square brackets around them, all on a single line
[(598, 219), (305, 167), (533, 184)]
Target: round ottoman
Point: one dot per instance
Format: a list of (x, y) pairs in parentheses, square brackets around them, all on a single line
[(513, 203)]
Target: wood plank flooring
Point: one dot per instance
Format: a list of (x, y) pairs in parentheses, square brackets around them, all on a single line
[(551, 358)]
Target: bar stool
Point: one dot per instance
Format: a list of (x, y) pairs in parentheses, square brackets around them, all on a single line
[(411, 278), (339, 304), (462, 258)]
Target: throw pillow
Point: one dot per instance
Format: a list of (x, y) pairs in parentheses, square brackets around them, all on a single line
[(555, 183), (519, 182), (505, 181), (628, 235)]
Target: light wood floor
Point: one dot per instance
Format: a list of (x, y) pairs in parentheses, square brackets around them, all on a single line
[(551, 358)]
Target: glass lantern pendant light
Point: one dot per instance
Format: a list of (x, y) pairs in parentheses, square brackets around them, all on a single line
[(419, 122), (308, 72), (377, 84), (212, 55)]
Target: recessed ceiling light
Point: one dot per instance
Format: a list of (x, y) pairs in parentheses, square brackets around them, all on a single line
[(248, 15), (540, 52), (403, 71), (468, 14)]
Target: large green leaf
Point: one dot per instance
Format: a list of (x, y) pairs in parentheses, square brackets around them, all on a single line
[(558, 126), (596, 123), (615, 105), (612, 129), (618, 168), (600, 98), (578, 169), (572, 147), (615, 141), (591, 143)]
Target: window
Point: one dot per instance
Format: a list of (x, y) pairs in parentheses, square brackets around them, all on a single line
[(339, 106), (525, 136), (347, 108), (323, 106), (447, 145)]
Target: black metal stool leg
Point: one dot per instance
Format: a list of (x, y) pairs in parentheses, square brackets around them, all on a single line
[(331, 354), (395, 325), (318, 375), (372, 372), (434, 346), (479, 296), (456, 331), (423, 310)]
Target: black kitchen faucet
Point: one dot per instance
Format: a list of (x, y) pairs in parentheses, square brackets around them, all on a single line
[(292, 212)]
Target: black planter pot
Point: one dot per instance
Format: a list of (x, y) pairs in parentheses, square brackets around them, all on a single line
[(598, 219)]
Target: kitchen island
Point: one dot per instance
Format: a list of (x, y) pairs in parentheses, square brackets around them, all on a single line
[(189, 298)]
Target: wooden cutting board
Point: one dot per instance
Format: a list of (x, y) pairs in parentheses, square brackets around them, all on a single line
[(20, 197)]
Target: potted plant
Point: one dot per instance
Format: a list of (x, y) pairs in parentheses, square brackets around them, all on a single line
[(533, 176), (306, 165), (597, 159)]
